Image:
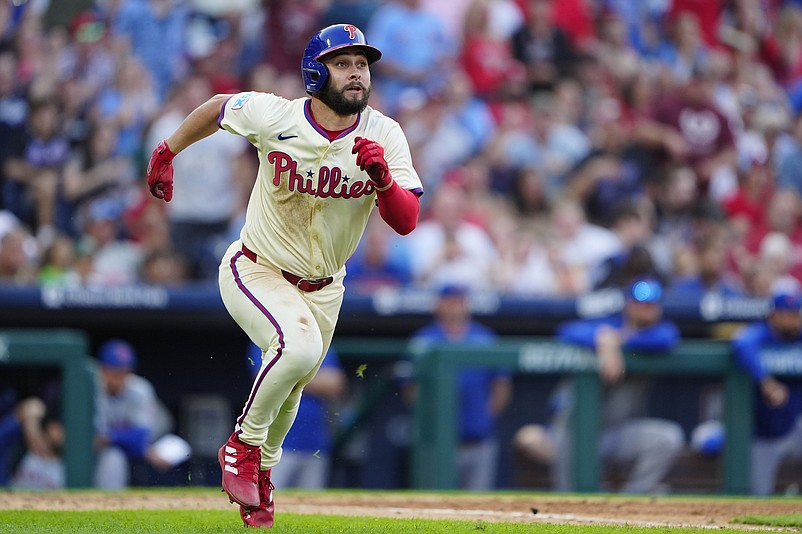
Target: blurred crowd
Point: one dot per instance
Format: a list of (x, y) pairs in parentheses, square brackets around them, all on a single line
[(564, 146)]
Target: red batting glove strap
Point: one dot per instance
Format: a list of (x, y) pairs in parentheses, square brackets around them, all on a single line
[(370, 158), (164, 151), (160, 172)]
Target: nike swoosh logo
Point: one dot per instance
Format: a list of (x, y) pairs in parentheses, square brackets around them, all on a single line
[(282, 137)]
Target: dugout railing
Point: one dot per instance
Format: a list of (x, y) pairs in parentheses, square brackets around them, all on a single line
[(67, 350), (435, 437)]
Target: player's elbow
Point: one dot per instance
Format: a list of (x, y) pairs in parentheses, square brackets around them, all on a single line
[(406, 227)]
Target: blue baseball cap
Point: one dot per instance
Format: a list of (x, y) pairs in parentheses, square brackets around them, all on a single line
[(645, 290), (786, 301), (117, 354), (453, 290), (104, 209)]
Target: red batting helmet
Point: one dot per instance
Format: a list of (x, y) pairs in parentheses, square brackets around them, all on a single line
[(327, 40)]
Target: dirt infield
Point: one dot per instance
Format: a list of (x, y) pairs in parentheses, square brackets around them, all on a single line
[(535, 508)]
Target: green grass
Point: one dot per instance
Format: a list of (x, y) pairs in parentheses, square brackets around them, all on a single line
[(212, 521), (783, 520)]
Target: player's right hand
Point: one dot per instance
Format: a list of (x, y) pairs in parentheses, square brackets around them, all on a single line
[(160, 172)]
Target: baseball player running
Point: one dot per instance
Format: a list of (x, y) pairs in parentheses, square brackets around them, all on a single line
[(324, 163)]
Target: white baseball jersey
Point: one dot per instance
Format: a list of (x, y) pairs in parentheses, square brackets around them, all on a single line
[(311, 202)]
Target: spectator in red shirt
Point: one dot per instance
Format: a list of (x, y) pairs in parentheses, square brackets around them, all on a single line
[(576, 19), (689, 128), (746, 209), (486, 58), (708, 12), (784, 215)]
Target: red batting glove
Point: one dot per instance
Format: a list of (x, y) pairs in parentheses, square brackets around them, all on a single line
[(160, 172), (370, 158)]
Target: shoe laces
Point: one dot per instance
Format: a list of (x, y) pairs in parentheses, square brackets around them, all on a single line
[(248, 459), (266, 487)]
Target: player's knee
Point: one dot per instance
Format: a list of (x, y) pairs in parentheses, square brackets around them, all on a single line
[(672, 439), (659, 437), (304, 352), (534, 443), (112, 469)]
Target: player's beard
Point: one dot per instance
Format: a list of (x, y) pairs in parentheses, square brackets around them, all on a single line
[(337, 101)]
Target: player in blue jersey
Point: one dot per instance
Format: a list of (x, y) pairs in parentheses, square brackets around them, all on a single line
[(483, 393), (778, 401), (644, 446)]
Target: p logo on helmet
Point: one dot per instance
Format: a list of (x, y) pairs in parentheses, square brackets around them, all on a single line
[(326, 41), (351, 29)]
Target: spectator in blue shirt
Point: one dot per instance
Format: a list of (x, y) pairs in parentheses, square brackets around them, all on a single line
[(778, 401), (645, 446), (156, 32), (483, 393), (789, 172), (416, 53), (33, 168), (380, 260), (710, 272), (13, 112), (306, 454)]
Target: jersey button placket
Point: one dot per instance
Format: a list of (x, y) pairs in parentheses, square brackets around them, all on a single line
[(317, 210)]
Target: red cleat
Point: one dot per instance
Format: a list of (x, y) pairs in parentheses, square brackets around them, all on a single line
[(240, 464), (263, 515)]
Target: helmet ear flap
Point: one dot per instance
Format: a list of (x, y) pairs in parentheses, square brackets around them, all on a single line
[(314, 75)]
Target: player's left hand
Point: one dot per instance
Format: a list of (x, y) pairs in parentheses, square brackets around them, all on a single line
[(160, 172), (774, 391), (370, 158)]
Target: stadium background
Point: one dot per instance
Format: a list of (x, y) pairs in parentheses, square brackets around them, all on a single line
[(187, 341)]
